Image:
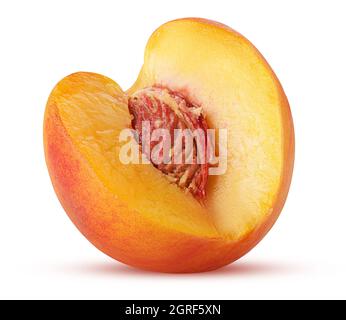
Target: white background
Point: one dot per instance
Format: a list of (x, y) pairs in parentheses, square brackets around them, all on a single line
[(41, 253)]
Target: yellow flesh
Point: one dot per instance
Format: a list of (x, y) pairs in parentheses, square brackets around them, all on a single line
[(223, 73)]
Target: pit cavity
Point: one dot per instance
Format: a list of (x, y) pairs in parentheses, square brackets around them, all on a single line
[(156, 108)]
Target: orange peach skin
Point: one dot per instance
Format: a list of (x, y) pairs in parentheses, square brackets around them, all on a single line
[(125, 234)]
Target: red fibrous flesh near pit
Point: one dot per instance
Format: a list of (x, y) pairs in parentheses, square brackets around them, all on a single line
[(164, 109)]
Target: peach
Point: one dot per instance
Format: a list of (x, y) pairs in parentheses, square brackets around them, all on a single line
[(134, 213)]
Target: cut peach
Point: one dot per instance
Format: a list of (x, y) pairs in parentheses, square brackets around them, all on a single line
[(134, 213)]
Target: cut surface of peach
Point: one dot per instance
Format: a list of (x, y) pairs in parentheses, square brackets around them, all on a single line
[(133, 212)]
